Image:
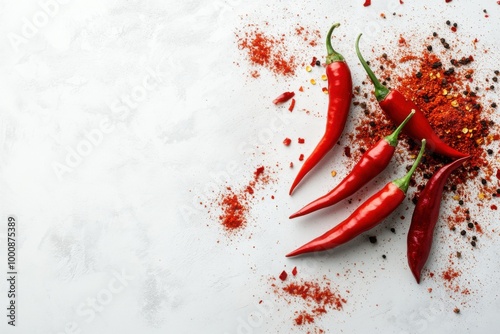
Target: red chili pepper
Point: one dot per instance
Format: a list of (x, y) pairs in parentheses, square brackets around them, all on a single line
[(284, 97), (425, 216), (292, 105), (397, 107), (366, 216), (340, 95), (372, 163)]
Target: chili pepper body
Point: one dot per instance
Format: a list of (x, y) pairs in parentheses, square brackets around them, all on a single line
[(366, 216), (425, 216), (397, 107), (340, 96), (372, 163)]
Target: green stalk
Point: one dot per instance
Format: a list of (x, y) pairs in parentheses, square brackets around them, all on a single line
[(404, 182), (332, 55), (393, 137), (380, 90)]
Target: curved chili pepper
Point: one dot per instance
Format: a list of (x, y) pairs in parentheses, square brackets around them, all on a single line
[(366, 216), (425, 216), (340, 95), (372, 163), (397, 107)]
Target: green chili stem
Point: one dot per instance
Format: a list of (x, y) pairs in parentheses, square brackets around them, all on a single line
[(404, 182), (393, 137), (380, 90), (332, 55)]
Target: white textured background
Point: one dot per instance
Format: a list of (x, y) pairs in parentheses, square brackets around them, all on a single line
[(122, 223)]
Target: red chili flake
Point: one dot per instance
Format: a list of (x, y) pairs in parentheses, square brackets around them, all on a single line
[(301, 141), (284, 97), (291, 164), (260, 301), (301, 157), (401, 40), (493, 207), (347, 151), (454, 29), (301, 89), (283, 275), (258, 172), (292, 105), (287, 141), (294, 271), (447, 1), (498, 174), (250, 190), (313, 62), (367, 3)]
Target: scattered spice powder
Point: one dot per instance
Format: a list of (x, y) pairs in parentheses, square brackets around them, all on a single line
[(449, 276), (273, 52), (316, 297), (235, 205), (440, 84)]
